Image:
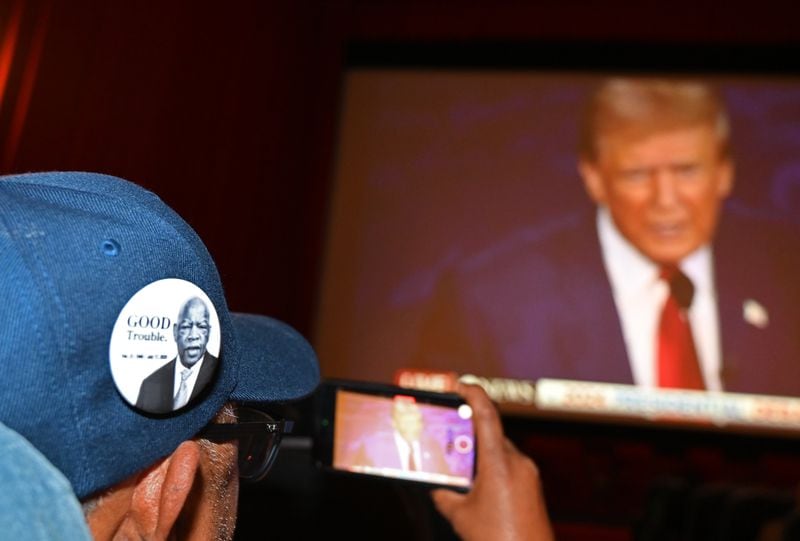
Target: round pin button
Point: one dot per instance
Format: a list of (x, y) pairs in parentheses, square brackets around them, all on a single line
[(164, 347)]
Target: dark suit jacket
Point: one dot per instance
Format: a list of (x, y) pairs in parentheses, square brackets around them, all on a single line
[(156, 392), (380, 450), (541, 306)]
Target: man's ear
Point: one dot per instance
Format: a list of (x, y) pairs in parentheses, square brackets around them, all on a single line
[(592, 181), (725, 182), (160, 495)]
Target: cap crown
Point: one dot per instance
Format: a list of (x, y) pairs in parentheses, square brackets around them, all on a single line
[(74, 248)]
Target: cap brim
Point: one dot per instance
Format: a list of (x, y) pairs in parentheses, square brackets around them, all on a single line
[(276, 364)]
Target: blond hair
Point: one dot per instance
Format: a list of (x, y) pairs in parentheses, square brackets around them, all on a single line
[(637, 107)]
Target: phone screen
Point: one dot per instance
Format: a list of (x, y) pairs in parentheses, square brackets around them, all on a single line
[(404, 436)]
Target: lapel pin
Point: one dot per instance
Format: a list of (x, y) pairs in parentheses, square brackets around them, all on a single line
[(755, 314)]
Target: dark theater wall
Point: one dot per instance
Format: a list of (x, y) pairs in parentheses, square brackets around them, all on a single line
[(224, 109)]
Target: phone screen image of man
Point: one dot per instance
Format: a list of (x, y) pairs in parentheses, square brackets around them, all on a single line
[(404, 438)]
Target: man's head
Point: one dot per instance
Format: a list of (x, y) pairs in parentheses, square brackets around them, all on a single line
[(94, 269), (191, 331), (407, 418), (656, 153), (190, 494)]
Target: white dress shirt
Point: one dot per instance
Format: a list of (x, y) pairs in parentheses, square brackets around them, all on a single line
[(190, 381), (640, 294), (404, 448)]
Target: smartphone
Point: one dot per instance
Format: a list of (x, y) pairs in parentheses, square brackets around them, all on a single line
[(379, 430)]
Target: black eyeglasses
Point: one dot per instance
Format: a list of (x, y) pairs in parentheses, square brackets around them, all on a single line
[(259, 437)]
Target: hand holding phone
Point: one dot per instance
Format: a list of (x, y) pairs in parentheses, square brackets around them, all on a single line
[(506, 501), (388, 431)]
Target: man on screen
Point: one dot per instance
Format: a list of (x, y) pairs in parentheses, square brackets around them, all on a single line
[(659, 286), (407, 446)]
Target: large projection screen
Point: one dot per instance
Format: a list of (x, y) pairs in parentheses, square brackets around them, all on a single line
[(441, 170)]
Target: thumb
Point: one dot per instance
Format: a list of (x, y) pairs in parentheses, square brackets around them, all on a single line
[(447, 501)]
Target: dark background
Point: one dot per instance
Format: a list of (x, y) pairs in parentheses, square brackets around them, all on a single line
[(228, 110)]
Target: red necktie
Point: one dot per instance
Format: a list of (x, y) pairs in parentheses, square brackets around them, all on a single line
[(412, 464), (677, 359)]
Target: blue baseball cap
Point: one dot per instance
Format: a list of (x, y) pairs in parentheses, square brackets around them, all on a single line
[(75, 251)]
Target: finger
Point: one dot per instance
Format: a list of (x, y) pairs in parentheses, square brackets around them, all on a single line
[(509, 446), (488, 428), (446, 501)]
